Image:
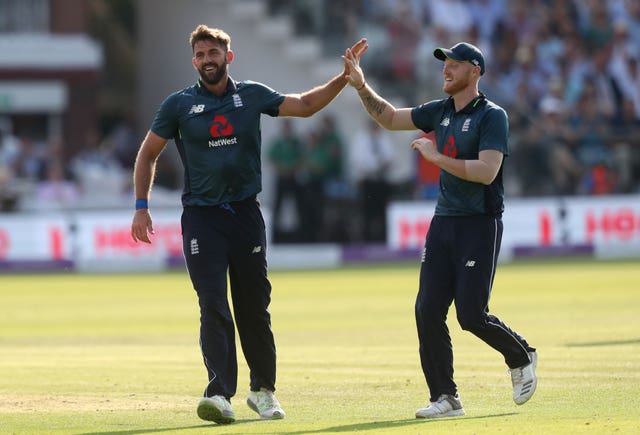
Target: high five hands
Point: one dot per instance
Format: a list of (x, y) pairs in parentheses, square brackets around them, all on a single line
[(352, 71)]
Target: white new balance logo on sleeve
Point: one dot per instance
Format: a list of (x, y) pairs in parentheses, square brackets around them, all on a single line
[(196, 108)]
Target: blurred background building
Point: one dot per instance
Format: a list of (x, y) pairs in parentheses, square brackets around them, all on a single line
[(80, 81)]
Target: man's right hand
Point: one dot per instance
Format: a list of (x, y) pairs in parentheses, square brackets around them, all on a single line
[(352, 71), (142, 226)]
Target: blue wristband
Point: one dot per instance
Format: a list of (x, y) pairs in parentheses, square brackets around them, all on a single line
[(141, 203)]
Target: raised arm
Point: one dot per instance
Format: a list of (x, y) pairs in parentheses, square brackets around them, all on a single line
[(381, 110), (310, 102)]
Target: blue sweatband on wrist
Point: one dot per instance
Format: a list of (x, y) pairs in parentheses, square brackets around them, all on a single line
[(141, 203)]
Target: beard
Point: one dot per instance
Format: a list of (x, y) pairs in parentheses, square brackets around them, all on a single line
[(217, 76), (456, 85)]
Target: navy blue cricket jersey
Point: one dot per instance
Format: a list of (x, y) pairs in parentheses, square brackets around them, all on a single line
[(481, 125), (218, 138)]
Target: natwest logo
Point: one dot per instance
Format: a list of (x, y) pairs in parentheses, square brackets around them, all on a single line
[(220, 127), (450, 149)]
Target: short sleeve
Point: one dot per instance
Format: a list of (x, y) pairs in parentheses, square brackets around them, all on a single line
[(270, 100), (427, 115), (165, 122), (494, 134)]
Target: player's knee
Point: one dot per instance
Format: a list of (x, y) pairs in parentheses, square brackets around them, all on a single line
[(214, 311), (430, 313), (471, 321)]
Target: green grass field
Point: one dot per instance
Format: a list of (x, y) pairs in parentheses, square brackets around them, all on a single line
[(118, 354)]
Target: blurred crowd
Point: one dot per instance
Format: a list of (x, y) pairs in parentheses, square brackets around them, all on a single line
[(566, 71), (327, 190), (44, 174)]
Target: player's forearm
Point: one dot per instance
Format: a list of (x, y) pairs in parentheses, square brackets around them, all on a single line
[(143, 175), (476, 171), (377, 107), (318, 97)]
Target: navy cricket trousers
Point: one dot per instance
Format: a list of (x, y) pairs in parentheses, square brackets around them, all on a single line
[(458, 265), (231, 239)]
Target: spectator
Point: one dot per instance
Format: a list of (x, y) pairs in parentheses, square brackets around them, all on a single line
[(404, 32), (625, 141), (8, 150), (97, 171), (590, 133), (521, 19), (9, 144), (329, 137), (454, 15), (623, 66), (315, 175), (598, 31), (122, 142), (550, 167), (486, 14), (285, 154), (56, 191), (371, 160), (29, 162), (633, 21)]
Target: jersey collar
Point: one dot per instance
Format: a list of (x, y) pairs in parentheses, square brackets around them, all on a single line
[(471, 107), (231, 88)]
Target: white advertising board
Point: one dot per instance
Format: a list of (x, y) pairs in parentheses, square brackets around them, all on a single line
[(611, 224), (34, 238), (103, 241)]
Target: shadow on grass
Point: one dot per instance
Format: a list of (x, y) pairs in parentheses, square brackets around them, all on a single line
[(170, 429), (357, 427), (605, 343)]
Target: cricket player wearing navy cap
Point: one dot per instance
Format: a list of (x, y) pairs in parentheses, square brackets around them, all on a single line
[(215, 125), (462, 245)]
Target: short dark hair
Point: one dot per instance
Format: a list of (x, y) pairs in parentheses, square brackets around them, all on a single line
[(203, 32)]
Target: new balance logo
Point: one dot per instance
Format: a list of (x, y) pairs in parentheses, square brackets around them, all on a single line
[(465, 126), (470, 263), (257, 250), (196, 108)]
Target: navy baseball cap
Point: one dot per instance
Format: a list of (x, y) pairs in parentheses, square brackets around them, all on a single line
[(462, 52)]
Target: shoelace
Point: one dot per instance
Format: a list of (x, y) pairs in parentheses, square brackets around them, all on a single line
[(266, 400), (442, 401), (517, 375)]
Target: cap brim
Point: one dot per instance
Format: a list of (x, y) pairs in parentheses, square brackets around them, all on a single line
[(444, 53)]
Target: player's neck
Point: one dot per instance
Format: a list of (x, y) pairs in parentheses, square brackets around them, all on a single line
[(219, 88), (464, 97)]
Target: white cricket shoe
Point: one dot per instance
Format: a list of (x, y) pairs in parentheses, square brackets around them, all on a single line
[(217, 409), (265, 404), (524, 380), (446, 406)]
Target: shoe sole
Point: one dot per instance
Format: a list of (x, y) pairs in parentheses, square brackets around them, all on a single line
[(276, 415), (211, 413), (452, 413)]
